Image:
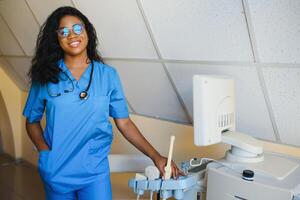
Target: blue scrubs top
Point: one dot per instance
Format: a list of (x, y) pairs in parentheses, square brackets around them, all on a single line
[(78, 132)]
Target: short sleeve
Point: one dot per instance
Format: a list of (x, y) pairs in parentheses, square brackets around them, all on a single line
[(34, 107), (118, 105)]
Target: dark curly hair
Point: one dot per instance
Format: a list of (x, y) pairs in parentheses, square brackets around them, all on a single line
[(44, 67)]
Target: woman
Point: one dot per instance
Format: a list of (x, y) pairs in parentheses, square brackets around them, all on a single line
[(79, 93)]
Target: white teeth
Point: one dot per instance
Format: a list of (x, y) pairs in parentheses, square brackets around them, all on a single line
[(74, 44)]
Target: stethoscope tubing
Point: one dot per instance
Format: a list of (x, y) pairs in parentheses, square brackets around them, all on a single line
[(83, 94)]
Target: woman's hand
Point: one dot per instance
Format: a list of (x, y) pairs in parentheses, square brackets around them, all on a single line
[(35, 133), (134, 136), (161, 162)]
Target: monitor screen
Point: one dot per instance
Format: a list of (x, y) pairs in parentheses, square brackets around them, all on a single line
[(213, 108)]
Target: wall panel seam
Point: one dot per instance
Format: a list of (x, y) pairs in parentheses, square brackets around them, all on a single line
[(259, 69), (32, 13), (128, 103), (184, 107), (11, 72), (14, 36), (130, 106), (199, 62)]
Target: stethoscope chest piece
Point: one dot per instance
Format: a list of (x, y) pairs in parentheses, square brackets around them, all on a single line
[(83, 95)]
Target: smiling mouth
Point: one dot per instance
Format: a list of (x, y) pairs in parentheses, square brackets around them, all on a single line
[(74, 44)]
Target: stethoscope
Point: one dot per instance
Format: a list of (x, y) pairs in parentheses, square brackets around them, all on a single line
[(83, 95)]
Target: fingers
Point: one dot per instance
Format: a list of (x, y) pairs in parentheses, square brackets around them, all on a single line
[(162, 167), (181, 173), (162, 171), (176, 172), (173, 171)]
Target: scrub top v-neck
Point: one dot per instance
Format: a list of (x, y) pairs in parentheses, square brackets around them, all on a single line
[(78, 132)]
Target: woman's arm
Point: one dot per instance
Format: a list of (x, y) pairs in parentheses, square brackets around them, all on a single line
[(35, 132), (134, 136)]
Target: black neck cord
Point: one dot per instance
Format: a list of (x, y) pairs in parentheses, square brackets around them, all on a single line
[(84, 93), (91, 78)]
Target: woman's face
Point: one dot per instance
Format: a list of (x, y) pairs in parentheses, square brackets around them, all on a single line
[(72, 44)]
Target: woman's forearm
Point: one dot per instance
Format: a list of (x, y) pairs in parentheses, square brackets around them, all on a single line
[(35, 133), (134, 136)]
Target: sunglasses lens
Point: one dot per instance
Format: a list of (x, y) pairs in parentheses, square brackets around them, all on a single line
[(64, 32), (77, 28)]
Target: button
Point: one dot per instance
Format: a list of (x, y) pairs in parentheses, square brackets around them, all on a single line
[(248, 175)]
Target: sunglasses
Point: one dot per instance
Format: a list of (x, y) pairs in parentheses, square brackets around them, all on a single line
[(65, 32)]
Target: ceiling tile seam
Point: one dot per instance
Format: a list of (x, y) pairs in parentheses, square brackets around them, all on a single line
[(14, 36), (184, 107), (151, 35), (161, 60), (130, 106), (128, 103), (172, 61), (11, 66), (32, 13), (277, 65), (163, 119), (12, 72), (262, 82), (231, 63)]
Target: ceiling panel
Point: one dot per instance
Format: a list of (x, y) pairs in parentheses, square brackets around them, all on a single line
[(21, 66), (251, 111), (199, 30), (276, 26), (21, 21), (13, 74), (283, 86), (42, 9), (149, 91), (120, 28), (8, 44)]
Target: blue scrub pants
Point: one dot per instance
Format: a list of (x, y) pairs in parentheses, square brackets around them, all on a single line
[(97, 190)]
